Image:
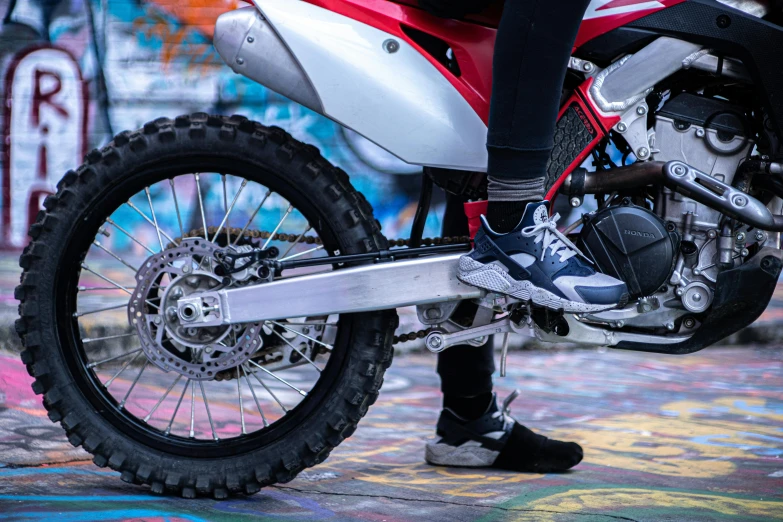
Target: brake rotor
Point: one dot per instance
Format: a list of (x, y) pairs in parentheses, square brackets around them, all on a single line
[(196, 353)]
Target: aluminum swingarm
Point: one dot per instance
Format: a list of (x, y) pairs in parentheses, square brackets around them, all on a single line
[(381, 286)]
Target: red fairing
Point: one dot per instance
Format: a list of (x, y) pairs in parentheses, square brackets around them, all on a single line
[(471, 43)]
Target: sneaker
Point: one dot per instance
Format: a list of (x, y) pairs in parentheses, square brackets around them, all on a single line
[(496, 440), (536, 262)]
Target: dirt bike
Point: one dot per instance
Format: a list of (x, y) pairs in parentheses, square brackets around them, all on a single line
[(260, 293)]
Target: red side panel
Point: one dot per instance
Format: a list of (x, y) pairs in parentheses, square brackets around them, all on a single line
[(471, 43)]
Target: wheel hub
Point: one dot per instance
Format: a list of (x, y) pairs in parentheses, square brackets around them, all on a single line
[(166, 339)]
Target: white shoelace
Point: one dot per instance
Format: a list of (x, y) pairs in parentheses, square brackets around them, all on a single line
[(508, 420), (553, 239)]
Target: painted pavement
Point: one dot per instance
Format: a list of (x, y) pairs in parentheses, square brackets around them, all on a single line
[(696, 438)]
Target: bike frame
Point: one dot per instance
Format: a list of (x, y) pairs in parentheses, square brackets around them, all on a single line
[(367, 65)]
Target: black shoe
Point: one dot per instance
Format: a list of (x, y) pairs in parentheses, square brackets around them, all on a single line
[(495, 440)]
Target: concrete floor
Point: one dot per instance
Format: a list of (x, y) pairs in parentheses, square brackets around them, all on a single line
[(692, 438)]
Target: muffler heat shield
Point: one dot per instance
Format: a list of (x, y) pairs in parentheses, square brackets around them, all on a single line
[(252, 48)]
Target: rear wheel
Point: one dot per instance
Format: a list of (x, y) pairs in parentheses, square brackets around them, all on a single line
[(196, 411)]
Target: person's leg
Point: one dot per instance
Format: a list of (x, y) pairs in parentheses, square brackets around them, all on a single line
[(472, 431), (465, 371), (518, 251), (532, 50)]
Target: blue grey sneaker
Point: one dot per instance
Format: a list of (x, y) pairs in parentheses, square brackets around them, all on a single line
[(536, 262)]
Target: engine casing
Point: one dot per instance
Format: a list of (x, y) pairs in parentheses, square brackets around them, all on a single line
[(632, 244)]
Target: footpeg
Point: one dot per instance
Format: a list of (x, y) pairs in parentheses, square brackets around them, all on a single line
[(437, 342)]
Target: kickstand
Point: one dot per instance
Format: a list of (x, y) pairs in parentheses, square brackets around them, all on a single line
[(503, 354)]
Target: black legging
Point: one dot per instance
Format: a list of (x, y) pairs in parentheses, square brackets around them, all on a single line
[(465, 371), (534, 43)]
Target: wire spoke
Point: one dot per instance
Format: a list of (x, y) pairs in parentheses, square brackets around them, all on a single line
[(129, 292), (115, 307), (192, 409), (306, 358), (130, 390), (148, 220), (329, 346), (228, 210), (241, 406), (253, 392), (201, 205), (225, 209), (206, 405), (128, 363), (155, 219), (302, 235), (111, 282), (285, 410), (115, 256), (176, 206), (142, 245), (250, 221), (300, 254), (171, 422), (300, 392), (110, 359), (280, 224), (163, 398), (108, 337)]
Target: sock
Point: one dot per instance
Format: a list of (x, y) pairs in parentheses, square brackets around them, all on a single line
[(531, 452), (508, 199), (503, 216), (468, 407)]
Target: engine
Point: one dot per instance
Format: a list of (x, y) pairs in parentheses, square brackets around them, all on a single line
[(710, 135), (632, 244), (670, 258)]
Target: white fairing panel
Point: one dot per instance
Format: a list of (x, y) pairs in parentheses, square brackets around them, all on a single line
[(398, 100)]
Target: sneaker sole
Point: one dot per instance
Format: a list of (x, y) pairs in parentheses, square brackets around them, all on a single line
[(465, 456), (493, 278)]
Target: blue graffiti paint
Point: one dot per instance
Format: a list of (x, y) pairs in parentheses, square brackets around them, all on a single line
[(120, 514), (311, 509)]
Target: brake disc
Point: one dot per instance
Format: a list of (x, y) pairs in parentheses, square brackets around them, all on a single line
[(196, 353)]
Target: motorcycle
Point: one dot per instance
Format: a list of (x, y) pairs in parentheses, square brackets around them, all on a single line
[(256, 274)]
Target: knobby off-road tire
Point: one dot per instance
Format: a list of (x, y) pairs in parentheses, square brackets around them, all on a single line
[(196, 140)]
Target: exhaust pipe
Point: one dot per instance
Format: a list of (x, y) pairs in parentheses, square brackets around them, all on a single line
[(680, 178), (252, 48)]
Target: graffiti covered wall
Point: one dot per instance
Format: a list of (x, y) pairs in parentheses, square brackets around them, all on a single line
[(76, 72)]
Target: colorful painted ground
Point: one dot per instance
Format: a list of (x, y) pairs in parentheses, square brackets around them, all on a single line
[(691, 438)]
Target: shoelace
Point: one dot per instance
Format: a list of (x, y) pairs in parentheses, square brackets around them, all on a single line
[(505, 412), (553, 239)]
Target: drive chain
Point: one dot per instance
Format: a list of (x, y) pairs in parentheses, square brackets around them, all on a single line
[(233, 233)]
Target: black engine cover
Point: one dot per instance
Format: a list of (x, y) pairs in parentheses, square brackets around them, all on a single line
[(632, 244)]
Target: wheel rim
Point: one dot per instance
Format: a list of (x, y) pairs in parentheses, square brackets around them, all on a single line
[(261, 393)]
